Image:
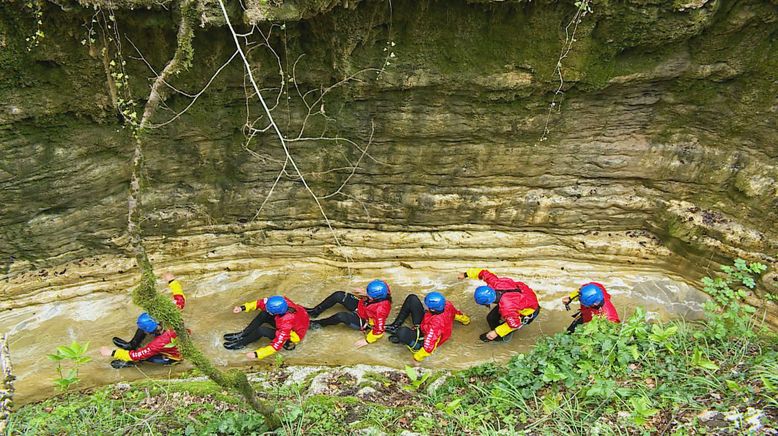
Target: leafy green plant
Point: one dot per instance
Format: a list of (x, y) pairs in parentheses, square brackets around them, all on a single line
[(662, 335), (75, 353), (727, 317), (36, 8), (741, 273), (767, 373), (278, 361), (424, 424), (232, 423), (449, 407), (416, 379), (584, 6), (642, 409), (699, 360)]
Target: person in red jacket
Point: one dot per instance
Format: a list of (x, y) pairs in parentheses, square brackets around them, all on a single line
[(178, 298), (287, 324), (161, 350), (431, 328), (367, 312), (595, 301), (517, 304)]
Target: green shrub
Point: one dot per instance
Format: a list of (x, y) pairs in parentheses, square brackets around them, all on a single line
[(75, 354)]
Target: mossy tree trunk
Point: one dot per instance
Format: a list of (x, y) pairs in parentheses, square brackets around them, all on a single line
[(145, 294)]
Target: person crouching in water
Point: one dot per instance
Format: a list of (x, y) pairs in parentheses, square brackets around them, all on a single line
[(161, 350), (516, 303), (595, 301), (366, 312), (431, 328), (286, 321), (179, 299)]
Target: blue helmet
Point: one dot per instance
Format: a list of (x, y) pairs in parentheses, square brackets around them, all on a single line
[(435, 301), (147, 323), (485, 295), (377, 289), (591, 295), (276, 305)]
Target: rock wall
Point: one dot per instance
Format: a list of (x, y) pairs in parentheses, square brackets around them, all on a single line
[(663, 149)]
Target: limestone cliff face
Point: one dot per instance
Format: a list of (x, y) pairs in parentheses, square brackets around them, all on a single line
[(663, 147)]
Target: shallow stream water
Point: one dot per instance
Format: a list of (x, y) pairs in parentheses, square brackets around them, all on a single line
[(36, 331)]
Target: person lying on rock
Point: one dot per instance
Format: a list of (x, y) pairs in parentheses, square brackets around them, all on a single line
[(178, 298), (516, 303), (431, 328), (367, 311), (286, 321), (161, 350), (595, 301)]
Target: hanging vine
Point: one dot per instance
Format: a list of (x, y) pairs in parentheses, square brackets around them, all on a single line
[(583, 7)]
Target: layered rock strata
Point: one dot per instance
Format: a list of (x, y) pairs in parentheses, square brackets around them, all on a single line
[(661, 150)]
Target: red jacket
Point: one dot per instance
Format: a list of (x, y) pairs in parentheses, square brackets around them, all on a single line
[(163, 344), (503, 283), (375, 313), (607, 309), (511, 303), (295, 320), (437, 327)]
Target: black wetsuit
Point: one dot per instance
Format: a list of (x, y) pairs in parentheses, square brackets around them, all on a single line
[(411, 337), (494, 318), (350, 318), (262, 326)]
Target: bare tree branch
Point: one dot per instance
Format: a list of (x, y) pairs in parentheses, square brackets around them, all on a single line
[(280, 136), (356, 165)]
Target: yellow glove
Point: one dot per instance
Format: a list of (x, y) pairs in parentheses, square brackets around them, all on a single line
[(294, 337), (472, 273), (370, 337), (251, 305), (462, 318), (421, 354), (176, 288), (122, 355), (503, 329), (265, 352)]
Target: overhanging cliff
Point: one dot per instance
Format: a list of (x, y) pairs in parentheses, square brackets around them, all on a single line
[(662, 148)]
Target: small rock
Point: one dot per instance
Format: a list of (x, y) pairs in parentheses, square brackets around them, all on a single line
[(369, 431), (366, 391), (733, 416), (708, 415), (753, 419), (123, 387), (692, 4), (298, 374)]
